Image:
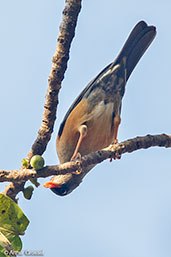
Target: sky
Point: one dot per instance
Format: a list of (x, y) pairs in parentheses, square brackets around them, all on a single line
[(123, 208)]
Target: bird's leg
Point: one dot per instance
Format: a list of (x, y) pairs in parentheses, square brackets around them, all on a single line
[(83, 132), (117, 121)]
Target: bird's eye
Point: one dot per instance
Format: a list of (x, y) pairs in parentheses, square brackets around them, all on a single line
[(63, 191)]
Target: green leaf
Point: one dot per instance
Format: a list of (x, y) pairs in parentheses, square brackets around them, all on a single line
[(11, 216), (11, 243), (4, 242), (13, 223), (25, 163), (28, 191), (2, 255)]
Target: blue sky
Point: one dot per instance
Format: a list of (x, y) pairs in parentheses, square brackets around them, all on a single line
[(122, 208)]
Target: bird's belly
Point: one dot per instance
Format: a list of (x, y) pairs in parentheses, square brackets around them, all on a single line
[(100, 132)]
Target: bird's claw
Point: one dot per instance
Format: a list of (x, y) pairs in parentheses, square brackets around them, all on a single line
[(116, 157), (74, 158)]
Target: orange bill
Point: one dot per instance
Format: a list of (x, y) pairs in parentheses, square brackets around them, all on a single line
[(51, 184)]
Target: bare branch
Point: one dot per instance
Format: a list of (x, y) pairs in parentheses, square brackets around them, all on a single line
[(13, 189), (59, 66), (87, 161)]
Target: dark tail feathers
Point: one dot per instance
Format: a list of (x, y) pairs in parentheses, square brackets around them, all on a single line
[(138, 41)]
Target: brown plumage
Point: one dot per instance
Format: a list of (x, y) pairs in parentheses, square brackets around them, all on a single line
[(92, 121)]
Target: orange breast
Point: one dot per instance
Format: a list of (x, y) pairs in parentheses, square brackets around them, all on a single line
[(99, 129), (67, 142)]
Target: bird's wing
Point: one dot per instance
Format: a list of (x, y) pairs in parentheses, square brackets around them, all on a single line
[(138, 41)]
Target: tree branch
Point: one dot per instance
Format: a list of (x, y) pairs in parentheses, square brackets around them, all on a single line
[(87, 161), (59, 66)]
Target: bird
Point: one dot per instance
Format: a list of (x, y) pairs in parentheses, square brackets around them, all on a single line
[(92, 121)]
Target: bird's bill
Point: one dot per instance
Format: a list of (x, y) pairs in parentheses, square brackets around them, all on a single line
[(51, 184)]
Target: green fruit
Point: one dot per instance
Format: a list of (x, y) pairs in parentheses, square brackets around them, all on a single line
[(37, 162), (28, 191)]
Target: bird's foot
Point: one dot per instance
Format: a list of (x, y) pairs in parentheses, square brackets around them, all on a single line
[(74, 158), (117, 155)]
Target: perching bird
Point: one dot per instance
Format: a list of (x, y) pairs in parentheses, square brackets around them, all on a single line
[(92, 121)]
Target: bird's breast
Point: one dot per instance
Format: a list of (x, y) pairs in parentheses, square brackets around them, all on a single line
[(99, 128)]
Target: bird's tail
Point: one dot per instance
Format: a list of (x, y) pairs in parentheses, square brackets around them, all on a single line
[(138, 41)]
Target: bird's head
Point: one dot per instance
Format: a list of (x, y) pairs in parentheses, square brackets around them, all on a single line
[(64, 184)]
